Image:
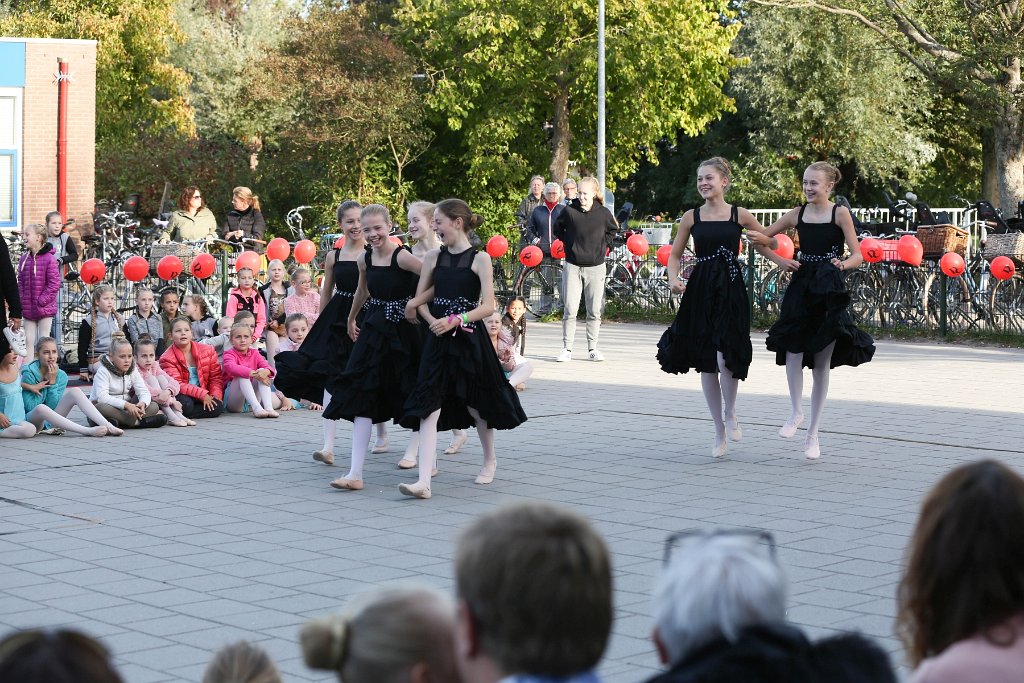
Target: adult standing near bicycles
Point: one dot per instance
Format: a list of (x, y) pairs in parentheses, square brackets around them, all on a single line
[(244, 220), (586, 228), (8, 296), (815, 328), (541, 232), (569, 190), (192, 220), (526, 207), (711, 331)]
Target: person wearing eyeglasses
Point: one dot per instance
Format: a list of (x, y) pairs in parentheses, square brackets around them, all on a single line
[(720, 615), (192, 220), (534, 591), (569, 189), (961, 599)]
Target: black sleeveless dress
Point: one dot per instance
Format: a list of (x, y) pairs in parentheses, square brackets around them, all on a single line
[(324, 353), (385, 360), (816, 307), (714, 313), (460, 369)]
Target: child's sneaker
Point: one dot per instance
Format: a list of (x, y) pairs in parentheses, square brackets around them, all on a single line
[(17, 341)]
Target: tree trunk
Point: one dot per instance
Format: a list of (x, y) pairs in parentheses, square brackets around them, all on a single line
[(989, 170), (562, 135), (1009, 141)]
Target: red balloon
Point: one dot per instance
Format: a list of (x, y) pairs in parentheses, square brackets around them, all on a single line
[(135, 269), (93, 271), (340, 242), (871, 250), (305, 251), (910, 250), (664, 253), (557, 249), (531, 256), (203, 266), (952, 264), (1002, 267), (637, 244), (397, 241), (497, 246), (278, 248), (785, 247), (248, 259), (169, 267)]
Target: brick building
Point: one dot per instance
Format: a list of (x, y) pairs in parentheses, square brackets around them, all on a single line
[(29, 86)]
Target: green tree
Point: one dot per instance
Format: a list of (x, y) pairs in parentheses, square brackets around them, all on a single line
[(519, 80), (972, 51), (137, 88)]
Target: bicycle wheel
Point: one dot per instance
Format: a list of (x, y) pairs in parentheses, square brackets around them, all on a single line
[(540, 290), (772, 290), (1006, 305), (618, 285), (904, 298), (959, 307), (862, 285)]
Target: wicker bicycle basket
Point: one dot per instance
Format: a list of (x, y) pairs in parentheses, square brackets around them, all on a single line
[(182, 251), (940, 239), (1007, 244)]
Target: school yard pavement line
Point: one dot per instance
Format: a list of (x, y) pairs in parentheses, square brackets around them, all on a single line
[(170, 543)]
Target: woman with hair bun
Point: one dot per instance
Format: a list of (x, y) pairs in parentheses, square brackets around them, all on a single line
[(815, 329), (395, 635), (460, 381), (244, 220)]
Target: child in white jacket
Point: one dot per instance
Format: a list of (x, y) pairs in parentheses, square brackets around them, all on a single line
[(119, 391)]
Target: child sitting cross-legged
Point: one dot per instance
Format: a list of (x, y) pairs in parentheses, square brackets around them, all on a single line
[(248, 375), (120, 393), (162, 387), (296, 328)]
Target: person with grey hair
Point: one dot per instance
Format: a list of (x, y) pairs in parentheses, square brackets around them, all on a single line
[(720, 615), (526, 207)]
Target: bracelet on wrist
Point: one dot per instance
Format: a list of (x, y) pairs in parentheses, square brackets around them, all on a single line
[(465, 318)]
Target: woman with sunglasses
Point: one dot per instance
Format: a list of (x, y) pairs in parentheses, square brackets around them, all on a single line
[(192, 220)]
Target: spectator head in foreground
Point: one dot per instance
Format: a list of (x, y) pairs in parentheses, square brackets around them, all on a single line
[(241, 662), (400, 635), (58, 656), (534, 591), (720, 615), (961, 599)]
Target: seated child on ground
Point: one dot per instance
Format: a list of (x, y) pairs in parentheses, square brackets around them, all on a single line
[(305, 299), (223, 339), (296, 327), (120, 393), (204, 325), (145, 320), (517, 369), (248, 375), (162, 387)]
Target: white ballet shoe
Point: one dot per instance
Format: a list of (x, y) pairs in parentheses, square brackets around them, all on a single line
[(733, 429), (720, 447), (486, 475), (324, 456), (812, 450), (414, 490), (788, 429), (381, 446), (458, 441)]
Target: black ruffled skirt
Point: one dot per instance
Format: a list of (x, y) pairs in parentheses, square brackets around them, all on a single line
[(816, 312), (321, 359)]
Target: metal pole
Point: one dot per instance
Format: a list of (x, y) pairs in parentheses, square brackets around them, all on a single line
[(62, 138), (943, 287), (600, 95)]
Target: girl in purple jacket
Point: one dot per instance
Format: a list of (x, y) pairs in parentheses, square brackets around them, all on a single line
[(38, 284)]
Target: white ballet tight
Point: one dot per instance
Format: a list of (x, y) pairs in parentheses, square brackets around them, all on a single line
[(819, 391), (720, 387), (521, 373), (71, 398), (361, 428), (255, 393), (428, 445), (330, 426)]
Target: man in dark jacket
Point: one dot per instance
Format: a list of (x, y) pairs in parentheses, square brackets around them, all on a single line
[(587, 229), (527, 206), (720, 610)]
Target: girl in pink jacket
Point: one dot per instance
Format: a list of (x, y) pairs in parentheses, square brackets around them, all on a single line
[(38, 284), (161, 386), (248, 375)]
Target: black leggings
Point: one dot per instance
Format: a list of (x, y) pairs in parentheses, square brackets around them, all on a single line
[(193, 409)]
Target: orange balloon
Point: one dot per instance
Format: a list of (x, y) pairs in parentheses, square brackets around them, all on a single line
[(305, 251), (557, 249), (910, 250), (871, 250), (93, 271), (1002, 267), (497, 246), (952, 264), (248, 259), (278, 248), (637, 244), (340, 242), (785, 247), (203, 266), (531, 256), (169, 267), (135, 269), (664, 254), (397, 241)]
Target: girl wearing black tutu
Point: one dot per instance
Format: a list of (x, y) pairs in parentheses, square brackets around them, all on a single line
[(711, 331), (384, 361), (815, 328), (460, 381), (309, 373)]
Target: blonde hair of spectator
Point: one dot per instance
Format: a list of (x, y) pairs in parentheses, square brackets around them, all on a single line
[(241, 662), (247, 196)]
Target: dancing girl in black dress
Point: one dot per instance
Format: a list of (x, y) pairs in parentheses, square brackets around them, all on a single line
[(711, 331), (384, 362), (815, 329), (460, 381)]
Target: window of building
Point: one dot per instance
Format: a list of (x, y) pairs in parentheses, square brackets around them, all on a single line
[(10, 156)]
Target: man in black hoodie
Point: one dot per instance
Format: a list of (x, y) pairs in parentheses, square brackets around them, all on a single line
[(586, 228)]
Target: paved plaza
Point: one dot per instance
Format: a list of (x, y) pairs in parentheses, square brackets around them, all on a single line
[(170, 543)]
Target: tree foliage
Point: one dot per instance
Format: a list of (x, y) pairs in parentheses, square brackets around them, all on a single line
[(137, 89)]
